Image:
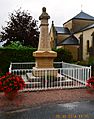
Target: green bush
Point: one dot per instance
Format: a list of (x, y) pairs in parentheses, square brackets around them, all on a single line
[(8, 55), (24, 54), (83, 63), (91, 63), (91, 60), (63, 55)]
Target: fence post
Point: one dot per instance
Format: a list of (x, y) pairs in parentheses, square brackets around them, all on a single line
[(60, 80), (62, 64), (90, 71), (10, 67), (45, 78)]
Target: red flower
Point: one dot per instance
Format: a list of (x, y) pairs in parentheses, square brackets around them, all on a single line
[(10, 82), (90, 82), (0, 83), (8, 73)]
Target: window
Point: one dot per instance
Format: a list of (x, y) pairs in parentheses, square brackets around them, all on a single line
[(81, 47), (87, 46), (92, 41)]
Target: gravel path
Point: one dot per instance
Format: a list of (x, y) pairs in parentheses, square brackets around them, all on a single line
[(30, 99)]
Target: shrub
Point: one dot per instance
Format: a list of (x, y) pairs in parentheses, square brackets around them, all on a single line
[(9, 55), (25, 54), (63, 55)]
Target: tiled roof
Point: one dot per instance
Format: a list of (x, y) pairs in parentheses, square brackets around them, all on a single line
[(85, 28), (62, 30), (83, 15), (71, 40), (88, 27)]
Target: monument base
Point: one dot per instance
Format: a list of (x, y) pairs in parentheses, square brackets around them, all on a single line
[(42, 72), (44, 59)]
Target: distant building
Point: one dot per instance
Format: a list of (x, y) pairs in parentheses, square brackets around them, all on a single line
[(76, 35)]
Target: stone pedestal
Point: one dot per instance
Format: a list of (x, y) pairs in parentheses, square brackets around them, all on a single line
[(44, 59), (42, 72)]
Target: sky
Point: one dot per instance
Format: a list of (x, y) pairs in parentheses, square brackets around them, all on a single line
[(60, 11)]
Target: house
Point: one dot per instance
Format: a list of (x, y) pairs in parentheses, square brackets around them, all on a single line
[(76, 35)]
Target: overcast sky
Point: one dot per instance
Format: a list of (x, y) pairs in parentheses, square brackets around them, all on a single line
[(59, 10)]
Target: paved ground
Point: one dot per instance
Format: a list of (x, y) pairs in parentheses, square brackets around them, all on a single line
[(32, 99), (75, 110), (52, 104)]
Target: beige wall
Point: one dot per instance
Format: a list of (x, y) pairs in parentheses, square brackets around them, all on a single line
[(73, 49), (77, 35), (68, 25), (75, 25), (87, 36), (61, 37), (52, 37), (78, 24)]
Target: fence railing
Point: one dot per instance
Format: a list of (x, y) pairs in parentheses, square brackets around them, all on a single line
[(52, 78), (70, 65)]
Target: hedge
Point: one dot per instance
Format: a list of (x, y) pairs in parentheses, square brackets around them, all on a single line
[(8, 55), (63, 55)]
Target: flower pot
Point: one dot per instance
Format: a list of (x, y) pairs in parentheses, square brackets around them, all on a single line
[(11, 95)]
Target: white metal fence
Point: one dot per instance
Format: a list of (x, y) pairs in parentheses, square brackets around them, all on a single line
[(68, 76)]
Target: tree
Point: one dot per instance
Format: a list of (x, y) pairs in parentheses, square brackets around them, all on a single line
[(21, 27)]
